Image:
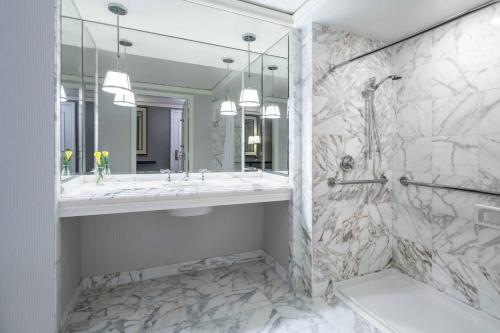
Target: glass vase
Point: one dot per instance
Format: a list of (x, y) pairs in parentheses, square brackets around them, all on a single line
[(107, 170), (65, 170), (99, 176)]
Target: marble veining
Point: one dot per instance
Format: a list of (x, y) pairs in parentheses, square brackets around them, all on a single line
[(248, 297), (132, 193), (157, 186)]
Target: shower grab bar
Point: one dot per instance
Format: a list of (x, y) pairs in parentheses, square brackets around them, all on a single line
[(405, 181), (332, 182)]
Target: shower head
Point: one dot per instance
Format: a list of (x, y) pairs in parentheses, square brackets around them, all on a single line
[(390, 77)]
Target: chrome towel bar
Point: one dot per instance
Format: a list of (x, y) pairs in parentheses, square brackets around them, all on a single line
[(406, 181), (334, 181)]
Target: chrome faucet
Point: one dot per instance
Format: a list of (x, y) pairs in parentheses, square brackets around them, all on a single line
[(203, 171), (166, 171), (186, 175)]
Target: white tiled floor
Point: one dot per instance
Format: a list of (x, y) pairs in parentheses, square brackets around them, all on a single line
[(241, 298)]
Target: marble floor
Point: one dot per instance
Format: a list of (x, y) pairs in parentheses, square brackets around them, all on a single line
[(248, 297)]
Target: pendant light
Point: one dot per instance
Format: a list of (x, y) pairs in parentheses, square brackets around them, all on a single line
[(228, 107), (117, 82), (272, 111), (249, 97), (63, 95), (127, 98)]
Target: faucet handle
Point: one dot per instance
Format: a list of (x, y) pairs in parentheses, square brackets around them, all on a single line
[(165, 171), (203, 171)]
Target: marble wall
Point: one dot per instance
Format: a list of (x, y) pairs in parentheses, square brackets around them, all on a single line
[(300, 230), (447, 113), (438, 124), (351, 224)]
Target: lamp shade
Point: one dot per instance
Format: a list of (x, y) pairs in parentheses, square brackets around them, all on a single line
[(249, 98), (116, 83), (125, 99), (63, 95), (253, 139), (228, 108), (271, 111)]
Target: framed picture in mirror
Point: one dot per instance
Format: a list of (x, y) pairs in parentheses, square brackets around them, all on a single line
[(251, 135), (142, 130)]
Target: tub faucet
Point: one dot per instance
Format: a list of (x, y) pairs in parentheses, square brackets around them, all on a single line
[(186, 175), (203, 171), (166, 171)]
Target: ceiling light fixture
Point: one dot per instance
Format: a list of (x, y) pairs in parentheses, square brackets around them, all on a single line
[(127, 98), (272, 111), (249, 97), (117, 82), (495, 20), (228, 107), (253, 139)]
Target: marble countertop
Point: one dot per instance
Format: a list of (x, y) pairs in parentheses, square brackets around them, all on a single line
[(133, 193)]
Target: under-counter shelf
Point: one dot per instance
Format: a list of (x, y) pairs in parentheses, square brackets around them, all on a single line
[(138, 193)]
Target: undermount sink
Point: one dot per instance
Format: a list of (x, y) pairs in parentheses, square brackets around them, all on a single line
[(186, 212)]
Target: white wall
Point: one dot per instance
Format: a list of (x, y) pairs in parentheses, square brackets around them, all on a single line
[(70, 263), (27, 164), (202, 118), (115, 133), (276, 231), (123, 242)]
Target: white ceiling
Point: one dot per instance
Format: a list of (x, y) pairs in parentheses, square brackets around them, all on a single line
[(286, 6), (387, 20), (184, 19)]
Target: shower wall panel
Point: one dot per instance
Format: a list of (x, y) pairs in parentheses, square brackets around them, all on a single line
[(448, 116), (351, 224)]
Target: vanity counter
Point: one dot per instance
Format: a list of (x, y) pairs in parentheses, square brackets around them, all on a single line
[(137, 193)]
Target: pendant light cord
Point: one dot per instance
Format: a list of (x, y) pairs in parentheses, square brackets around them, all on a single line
[(117, 42), (227, 82), (272, 86), (249, 85)]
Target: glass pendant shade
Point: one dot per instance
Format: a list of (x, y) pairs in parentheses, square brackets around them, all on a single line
[(249, 98), (272, 112), (126, 99), (253, 139), (228, 108), (63, 95), (116, 83)]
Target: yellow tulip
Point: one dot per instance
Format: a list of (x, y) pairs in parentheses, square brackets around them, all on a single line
[(68, 154), (105, 153), (97, 156)]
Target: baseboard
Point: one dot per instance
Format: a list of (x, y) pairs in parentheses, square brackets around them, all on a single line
[(282, 272), (118, 278)]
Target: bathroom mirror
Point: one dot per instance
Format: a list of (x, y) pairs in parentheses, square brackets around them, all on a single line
[(179, 87)]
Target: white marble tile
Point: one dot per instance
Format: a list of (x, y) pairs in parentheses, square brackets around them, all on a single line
[(489, 161), (489, 112), (414, 118), (455, 115), (199, 302), (455, 236), (413, 154), (489, 291), (413, 259), (412, 224), (455, 156), (454, 203), (455, 276)]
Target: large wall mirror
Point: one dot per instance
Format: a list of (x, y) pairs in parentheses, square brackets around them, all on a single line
[(180, 86)]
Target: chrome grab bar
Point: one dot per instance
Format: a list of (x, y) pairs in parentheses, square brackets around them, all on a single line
[(406, 181), (332, 182)]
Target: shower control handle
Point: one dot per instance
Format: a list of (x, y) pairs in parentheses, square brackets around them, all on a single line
[(347, 163)]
